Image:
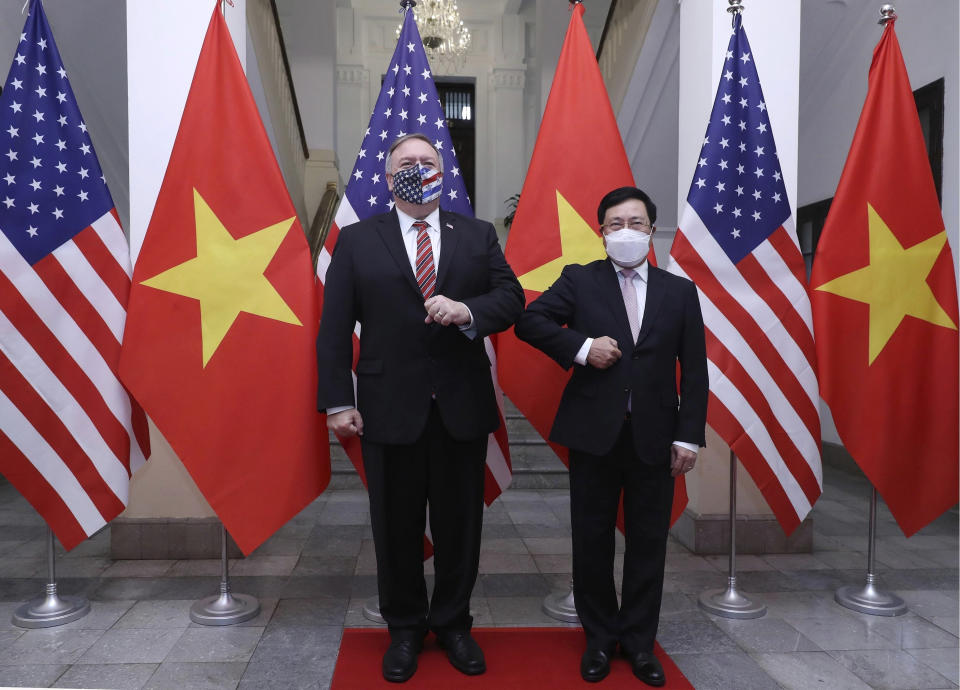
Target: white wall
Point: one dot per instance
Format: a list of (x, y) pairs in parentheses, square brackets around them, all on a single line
[(838, 45)]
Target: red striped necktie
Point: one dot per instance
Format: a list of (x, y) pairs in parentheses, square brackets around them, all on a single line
[(426, 273)]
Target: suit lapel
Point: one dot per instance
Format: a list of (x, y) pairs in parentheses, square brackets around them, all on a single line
[(655, 291), (613, 297), (389, 230), (448, 247)]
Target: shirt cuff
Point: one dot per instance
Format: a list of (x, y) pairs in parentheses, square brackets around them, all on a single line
[(338, 409), (469, 329), (581, 357), (693, 447)]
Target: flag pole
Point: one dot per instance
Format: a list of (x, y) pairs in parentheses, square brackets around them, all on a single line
[(51, 609), (224, 608), (561, 606), (729, 603), (868, 599)]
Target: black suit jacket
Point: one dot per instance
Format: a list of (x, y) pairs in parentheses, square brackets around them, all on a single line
[(588, 299), (403, 361)]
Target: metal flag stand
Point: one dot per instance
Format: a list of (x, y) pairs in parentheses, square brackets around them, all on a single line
[(224, 608), (729, 603), (561, 607), (371, 610), (51, 609), (868, 599)]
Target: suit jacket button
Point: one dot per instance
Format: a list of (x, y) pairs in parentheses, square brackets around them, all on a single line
[(626, 390), (636, 357)]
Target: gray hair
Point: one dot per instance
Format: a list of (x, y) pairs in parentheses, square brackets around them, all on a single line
[(407, 137)]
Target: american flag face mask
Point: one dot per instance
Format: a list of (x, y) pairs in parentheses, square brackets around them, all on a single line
[(418, 184)]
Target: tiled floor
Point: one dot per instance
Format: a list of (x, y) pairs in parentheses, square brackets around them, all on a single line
[(315, 574)]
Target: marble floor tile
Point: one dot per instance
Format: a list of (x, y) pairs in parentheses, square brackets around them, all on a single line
[(693, 637), (354, 617), (809, 671), (295, 646), (132, 646), (216, 644), (196, 676), (943, 661), (157, 614), (890, 670), (138, 568), (509, 546), (30, 675), (263, 565), (310, 612), (49, 646), (113, 676), (521, 611), (553, 546), (724, 671), (682, 562), (496, 585), (744, 562), (842, 632), (327, 565), (767, 634), (793, 562), (507, 563), (103, 615), (553, 564)]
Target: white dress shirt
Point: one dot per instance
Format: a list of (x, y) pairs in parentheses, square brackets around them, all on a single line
[(640, 285)]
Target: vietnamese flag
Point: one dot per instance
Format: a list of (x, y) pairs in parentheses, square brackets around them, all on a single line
[(219, 346), (578, 157), (885, 306)]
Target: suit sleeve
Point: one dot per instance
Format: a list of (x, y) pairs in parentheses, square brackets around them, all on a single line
[(694, 381), (498, 308), (542, 324), (335, 337)]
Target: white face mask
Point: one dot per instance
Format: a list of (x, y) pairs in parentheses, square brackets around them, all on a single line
[(627, 248)]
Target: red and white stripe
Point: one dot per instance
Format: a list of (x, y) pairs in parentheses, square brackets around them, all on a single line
[(499, 471), (761, 359), (70, 434)]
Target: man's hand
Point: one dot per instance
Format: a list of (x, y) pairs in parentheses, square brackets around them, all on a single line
[(445, 311), (681, 460), (604, 352), (347, 423)]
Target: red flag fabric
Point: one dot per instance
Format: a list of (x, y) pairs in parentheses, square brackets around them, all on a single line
[(70, 436), (885, 306), (219, 345), (577, 159)]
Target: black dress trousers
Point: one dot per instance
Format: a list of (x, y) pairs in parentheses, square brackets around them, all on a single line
[(595, 485)]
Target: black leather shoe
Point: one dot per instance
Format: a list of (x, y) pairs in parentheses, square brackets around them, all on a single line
[(464, 652), (400, 660), (594, 665), (647, 668)]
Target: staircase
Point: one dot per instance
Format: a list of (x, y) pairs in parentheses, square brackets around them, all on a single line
[(535, 465)]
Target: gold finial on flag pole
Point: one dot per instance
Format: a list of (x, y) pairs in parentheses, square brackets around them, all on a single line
[(736, 7), (888, 13)]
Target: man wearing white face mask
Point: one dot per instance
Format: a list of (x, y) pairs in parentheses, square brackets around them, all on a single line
[(628, 324)]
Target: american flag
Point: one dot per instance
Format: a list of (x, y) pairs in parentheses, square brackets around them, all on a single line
[(70, 435), (737, 242), (408, 104)]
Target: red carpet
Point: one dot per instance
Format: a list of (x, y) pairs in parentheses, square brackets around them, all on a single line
[(521, 658)]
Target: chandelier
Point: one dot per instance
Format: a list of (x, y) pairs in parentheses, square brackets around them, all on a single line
[(445, 37)]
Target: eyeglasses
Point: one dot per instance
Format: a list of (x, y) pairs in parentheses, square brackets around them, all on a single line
[(632, 224)]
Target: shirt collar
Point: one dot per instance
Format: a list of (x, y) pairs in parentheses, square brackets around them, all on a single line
[(642, 270), (406, 222)]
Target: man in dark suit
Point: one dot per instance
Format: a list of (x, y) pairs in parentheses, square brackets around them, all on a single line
[(426, 287), (628, 324)]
